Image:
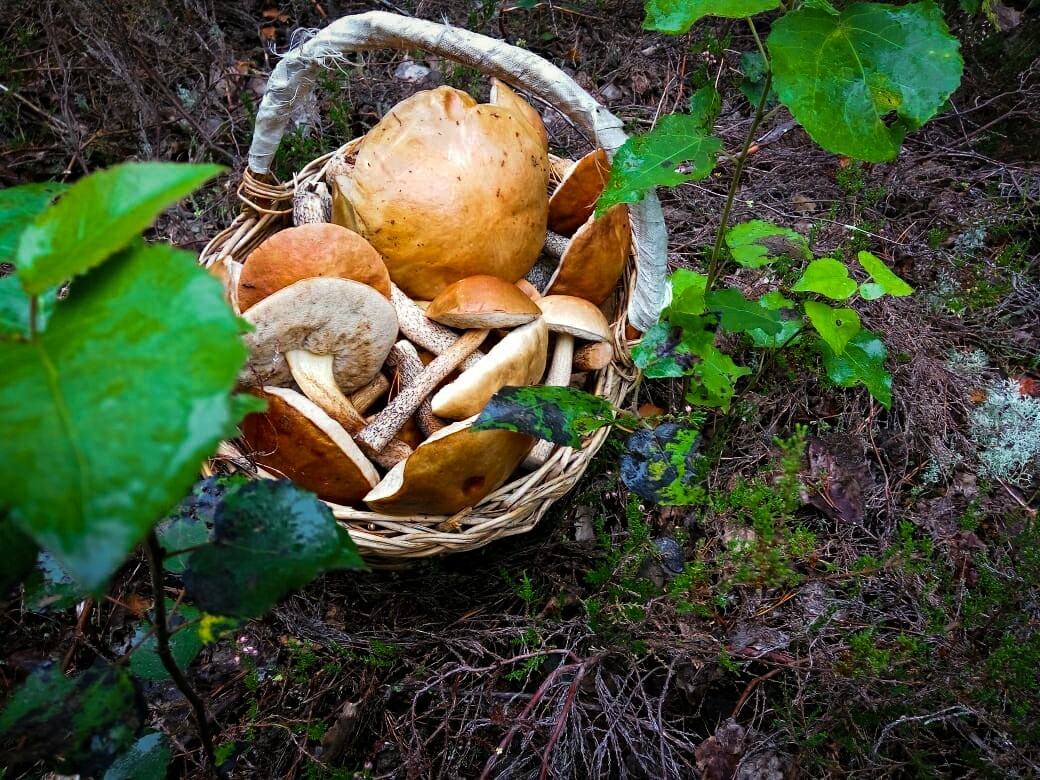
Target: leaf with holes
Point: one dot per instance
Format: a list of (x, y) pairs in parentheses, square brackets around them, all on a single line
[(835, 326), (658, 464), (860, 80), (677, 16), (828, 277), (862, 362), (757, 243), (653, 159), (561, 415), (885, 280), (269, 539)]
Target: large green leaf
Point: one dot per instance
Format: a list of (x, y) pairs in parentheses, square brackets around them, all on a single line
[(862, 362), (189, 524), (77, 724), (860, 80), (829, 277), (147, 759), (687, 288), (757, 242), (670, 350), (185, 643), (651, 160), (109, 412), (885, 281), (561, 415), (98, 216), (677, 16), (19, 554), (269, 539), (739, 315), (835, 326), (18, 207), (658, 464)]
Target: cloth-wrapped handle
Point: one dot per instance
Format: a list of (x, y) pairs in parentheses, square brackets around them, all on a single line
[(294, 77)]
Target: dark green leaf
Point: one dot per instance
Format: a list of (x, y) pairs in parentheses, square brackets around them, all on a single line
[(753, 66), (859, 81), (886, 281), (76, 724), (677, 16), (147, 759), (185, 643), (269, 539), (561, 415), (15, 309), (99, 215), (757, 243), (18, 207), (651, 160), (668, 350), (828, 277), (863, 361), (739, 315), (822, 5), (835, 326), (19, 554), (108, 414), (658, 464), (705, 105), (190, 523)]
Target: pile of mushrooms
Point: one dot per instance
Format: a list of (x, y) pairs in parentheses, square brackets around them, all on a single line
[(379, 337)]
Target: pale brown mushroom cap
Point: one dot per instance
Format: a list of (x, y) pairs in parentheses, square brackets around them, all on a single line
[(575, 198), (502, 95), (444, 188), (326, 316), (315, 249), (595, 257), (574, 316), (453, 469), (295, 438), (482, 301), (518, 359)]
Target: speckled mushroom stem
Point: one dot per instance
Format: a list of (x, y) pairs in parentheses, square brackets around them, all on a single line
[(559, 375), (388, 422), (363, 399), (405, 358), (423, 331), (313, 373), (555, 244)]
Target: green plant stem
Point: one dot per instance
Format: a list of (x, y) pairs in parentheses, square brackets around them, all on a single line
[(162, 641)]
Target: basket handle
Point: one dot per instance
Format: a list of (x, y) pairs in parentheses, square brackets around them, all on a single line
[(294, 77)]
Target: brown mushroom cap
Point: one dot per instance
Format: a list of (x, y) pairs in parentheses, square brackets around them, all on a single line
[(595, 257), (574, 316), (518, 359), (482, 301), (453, 469), (298, 440), (315, 249), (502, 95), (575, 199), (326, 316), (444, 188)]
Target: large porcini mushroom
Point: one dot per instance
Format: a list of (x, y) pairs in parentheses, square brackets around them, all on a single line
[(502, 95), (445, 188), (574, 200), (482, 301), (453, 469), (518, 359), (296, 439), (307, 251), (595, 257)]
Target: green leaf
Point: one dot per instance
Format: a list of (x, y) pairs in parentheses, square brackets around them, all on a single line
[(835, 326), (822, 5), (185, 643), (647, 161), (16, 307), (190, 523), (49, 587), (677, 16), (785, 337), (147, 759), (862, 362), (739, 315), (714, 379), (269, 539), (753, 68), (561, 415), (886, 281), (76, 724), (658, 464), (668, 350), (705, 104), (108, 414), (859, 81), (99, 215), (18, 207), (687, 292), (19, 554), (757, 243), (828, 277)]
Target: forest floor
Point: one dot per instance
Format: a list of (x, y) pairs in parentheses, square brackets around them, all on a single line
[(885, 622)]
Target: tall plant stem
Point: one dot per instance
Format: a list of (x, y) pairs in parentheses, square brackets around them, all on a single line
[(162, 641), (714, 264)]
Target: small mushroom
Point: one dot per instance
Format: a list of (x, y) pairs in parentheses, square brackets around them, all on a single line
[(308, 251), (453, 469), (518, 359), (295, 438), (482, 301), (575, 198), (595, 258), (593, 357)]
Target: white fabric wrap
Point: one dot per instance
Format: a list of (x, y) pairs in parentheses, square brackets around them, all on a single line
[(294, 77)]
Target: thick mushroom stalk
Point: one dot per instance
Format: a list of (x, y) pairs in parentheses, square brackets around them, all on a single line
[(314, 374), (423, 331), (405, 358)]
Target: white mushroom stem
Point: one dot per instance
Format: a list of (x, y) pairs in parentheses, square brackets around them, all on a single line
[(559, 375), (312, 205), (555, 244), (363, 399), (423, 331), (388, 422), (405, 358), (313, 373), (593, 357)]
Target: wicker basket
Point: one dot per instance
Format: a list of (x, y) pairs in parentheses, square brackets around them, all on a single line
[(517, 506)]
